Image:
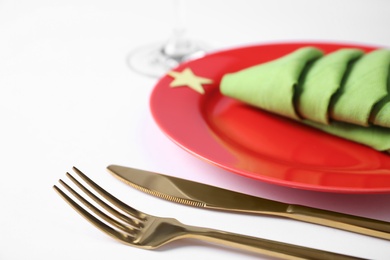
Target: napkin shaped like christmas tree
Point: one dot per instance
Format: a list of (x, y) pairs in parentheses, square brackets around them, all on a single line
[(345, 93)]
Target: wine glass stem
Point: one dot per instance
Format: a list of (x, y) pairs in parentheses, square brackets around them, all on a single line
[(178, 45), (179, 27)]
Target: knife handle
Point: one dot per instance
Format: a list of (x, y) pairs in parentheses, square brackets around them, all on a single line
[(356, 224)]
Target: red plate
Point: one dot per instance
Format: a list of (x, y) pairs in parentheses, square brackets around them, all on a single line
[(260, 145)]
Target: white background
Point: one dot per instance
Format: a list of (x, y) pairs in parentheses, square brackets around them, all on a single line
[(68, 98)]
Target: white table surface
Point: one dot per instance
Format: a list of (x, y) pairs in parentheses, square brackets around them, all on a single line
[(68, 98)]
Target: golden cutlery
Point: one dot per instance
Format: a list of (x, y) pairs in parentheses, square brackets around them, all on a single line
[(210, 197), (142, 230)]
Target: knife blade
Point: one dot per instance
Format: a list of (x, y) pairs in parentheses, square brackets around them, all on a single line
[(210, 197)]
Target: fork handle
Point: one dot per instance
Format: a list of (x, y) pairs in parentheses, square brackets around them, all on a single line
[(361, 225), (264, 246)]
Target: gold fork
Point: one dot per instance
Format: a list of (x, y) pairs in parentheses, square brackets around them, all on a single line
[(142, 230)]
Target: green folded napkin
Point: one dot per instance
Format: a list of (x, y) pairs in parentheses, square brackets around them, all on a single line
[(322, 81), (380, 115), (344, 93), (376, 137), (364, 87), (271, 86)]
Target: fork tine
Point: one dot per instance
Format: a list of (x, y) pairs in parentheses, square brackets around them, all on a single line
[(92, 219), (124, 207), (127, 228), (135, 223)]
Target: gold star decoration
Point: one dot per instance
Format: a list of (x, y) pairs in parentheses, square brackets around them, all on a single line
[(189, 79)]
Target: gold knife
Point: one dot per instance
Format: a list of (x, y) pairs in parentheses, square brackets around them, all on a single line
[(205, 196)]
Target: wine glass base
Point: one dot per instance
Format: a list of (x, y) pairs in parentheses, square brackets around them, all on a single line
[(151, 60)]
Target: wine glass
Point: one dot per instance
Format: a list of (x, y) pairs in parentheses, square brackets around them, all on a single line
[(156, 59)]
